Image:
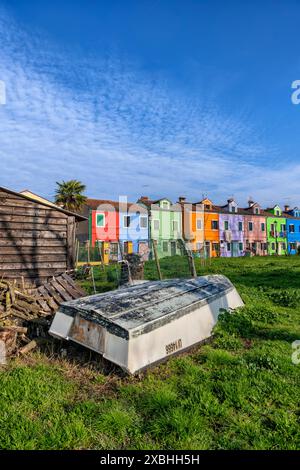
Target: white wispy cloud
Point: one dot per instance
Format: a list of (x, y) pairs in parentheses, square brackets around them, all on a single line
[(121, 131)]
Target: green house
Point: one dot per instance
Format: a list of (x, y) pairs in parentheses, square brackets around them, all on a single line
[(165, 225), (276, 231)]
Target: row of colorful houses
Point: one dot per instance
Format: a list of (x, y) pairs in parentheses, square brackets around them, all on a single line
[(205, 228)]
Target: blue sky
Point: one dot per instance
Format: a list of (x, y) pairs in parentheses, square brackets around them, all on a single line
[(158, 98)]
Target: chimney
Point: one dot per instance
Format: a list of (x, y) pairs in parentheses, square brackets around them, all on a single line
[(286, 208), (144, 198), (182, 199), (250, 202), (230, 200)]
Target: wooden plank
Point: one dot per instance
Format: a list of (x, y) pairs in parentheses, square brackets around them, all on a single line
[(31, 226), (42, 302), (62, 292), (51, 242), (33, 250), (73, 284), (37, 266), (32, 258), (54, 294), (12, 200), (69, 288), (30, 273), (11, 210), (32, 234), (47, 297), (34, 219), (71, 243)]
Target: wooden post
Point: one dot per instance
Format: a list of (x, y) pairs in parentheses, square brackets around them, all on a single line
[(70, 243), (156, 260), (101, 257), (190, 258), (121, 249), (77, 253)]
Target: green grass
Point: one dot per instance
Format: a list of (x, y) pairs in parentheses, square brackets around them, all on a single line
[(241, 391)]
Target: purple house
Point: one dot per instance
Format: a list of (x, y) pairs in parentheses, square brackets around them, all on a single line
[(231, 228)]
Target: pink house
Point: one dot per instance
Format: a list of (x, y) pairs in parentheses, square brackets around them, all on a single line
[(255, 229)]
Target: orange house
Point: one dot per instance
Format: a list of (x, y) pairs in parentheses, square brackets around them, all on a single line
[(211, 229)]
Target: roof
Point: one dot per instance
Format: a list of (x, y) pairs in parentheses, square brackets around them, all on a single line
[(44, 202), (149, 202), (95, 203), (136, 310), (196, 207)]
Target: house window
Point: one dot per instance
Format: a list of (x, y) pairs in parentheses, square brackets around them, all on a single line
[(241, 246), (100, 220), (283, 245), (214, 225), (273, 246), (250, 226), (240, 226), (198, 246), (199, 224), (272, 227), (207, 207), (165, 246), (256, 210), (175, 225), (292, 228), (143, 221), (277, 212), (215, 246), (165, 205), (156, 224), (126, 221), (226, 225), (228, 246), (292, 246), (282, 227), (263, 227), (233, 209)]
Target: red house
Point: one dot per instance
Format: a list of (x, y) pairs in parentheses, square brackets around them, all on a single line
[(102, 224)]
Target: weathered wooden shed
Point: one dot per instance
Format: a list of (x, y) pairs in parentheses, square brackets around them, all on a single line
[(37, 239)]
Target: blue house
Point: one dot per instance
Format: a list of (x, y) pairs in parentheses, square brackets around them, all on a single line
[(293, 229), (133, 228)]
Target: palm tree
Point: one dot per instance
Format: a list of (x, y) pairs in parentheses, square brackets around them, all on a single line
[(69, 195)]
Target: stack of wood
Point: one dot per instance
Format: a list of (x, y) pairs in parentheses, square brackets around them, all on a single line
[(16, 304), (21, 308)]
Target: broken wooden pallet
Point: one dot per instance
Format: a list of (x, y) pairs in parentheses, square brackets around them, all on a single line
[(32, 305), (58, 290)]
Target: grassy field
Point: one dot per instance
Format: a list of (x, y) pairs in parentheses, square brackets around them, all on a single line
[(241, 391)]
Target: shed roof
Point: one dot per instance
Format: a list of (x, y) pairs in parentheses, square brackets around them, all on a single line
[(44, 202)]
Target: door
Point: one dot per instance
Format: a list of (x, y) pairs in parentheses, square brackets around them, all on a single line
[(128, 248), (207, 250), (173, 248), (234, 249)]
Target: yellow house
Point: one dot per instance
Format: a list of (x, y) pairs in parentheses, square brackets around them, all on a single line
[(192, 224)]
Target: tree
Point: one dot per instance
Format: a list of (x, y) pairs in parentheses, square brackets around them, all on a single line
[(69, 195)]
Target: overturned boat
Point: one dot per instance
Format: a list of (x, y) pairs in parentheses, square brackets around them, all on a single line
[(138, 326)]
